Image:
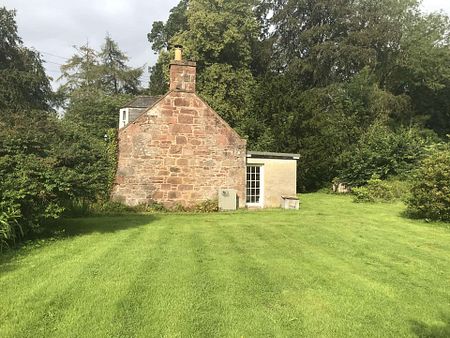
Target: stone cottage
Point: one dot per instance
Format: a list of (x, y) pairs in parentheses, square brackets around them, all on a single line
[(175, 149)]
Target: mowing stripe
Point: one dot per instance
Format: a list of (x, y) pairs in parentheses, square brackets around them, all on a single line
[(45, 307)]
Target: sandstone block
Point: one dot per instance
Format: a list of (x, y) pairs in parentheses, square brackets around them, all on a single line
[(185, 119), (174, 180), (173, 194), (181, 140)]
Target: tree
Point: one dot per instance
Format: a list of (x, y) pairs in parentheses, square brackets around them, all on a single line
[(219, 32), (162, 33), (159, 74), (82, 70), (220, 36), (46, 162), (160, 38), (105, 70), (95, 110), (23, 82), (97, 85), (328, 41), (116, 76), (423, 70)]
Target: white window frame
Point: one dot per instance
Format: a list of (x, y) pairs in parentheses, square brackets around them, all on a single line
[(260, 203), (123, 121)]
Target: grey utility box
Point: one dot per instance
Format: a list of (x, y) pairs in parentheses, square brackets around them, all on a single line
[(228, 199)]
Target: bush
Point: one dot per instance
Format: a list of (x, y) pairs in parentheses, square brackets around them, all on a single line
[(151, 207), (207, 206), (382, 152), (430, 192), (83, 208), (378, 190), (10, 229), (44, 163)]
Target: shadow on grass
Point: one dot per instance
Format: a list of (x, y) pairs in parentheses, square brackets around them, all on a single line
[(69, 227), (432, 331), (425, 221), (72, 227)]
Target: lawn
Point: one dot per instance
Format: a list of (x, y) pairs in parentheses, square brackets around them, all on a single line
[(334, 268)]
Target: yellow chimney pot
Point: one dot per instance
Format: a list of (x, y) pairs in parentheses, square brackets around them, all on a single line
[(178, 53)]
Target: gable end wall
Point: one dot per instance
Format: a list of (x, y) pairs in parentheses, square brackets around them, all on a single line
[(178, 152)]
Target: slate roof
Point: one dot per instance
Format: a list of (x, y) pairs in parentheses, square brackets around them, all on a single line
[(142, 102)]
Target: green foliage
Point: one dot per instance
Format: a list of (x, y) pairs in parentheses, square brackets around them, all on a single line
[(23, 82), (377, 190), (97, 84), (220, 36), (95, 110), (10, 228), (159, 75), (115, 76), (47, 163), (423, 70), (430, 193), (111, 158), (81, 70), (320, 123), (382, 152), (207, 206), (229, 91), (105, 70), (326, 41), (219, 32), (162, 33), (157, 207), (43, 164)]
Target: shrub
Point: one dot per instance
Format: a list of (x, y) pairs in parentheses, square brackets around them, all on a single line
[(178, 207), (45, 163), (382, 152), (109, 208), (207, 206), (10, 229), (430, 192), (378, 190), (151, 207), (158, 207)]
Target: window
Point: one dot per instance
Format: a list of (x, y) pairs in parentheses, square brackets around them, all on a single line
[(123, 118), (254, 184)]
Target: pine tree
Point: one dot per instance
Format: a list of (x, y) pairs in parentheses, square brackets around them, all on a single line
[(116, 76)]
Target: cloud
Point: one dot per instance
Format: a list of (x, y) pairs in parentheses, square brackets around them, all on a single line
[(53, 26), (436, 6)]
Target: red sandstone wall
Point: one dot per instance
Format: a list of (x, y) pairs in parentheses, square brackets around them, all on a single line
[(180, 151)]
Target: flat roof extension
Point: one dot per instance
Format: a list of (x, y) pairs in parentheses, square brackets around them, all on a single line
[(266, 154)]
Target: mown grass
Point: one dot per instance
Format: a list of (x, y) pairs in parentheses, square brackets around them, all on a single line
[(334, 268)]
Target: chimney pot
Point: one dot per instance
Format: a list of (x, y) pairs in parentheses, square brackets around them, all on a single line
[(178, 52)]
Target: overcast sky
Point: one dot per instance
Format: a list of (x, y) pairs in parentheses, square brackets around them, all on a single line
[(54, 26)]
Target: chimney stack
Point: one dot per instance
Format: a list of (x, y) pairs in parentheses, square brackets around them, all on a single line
[(182, 73)]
